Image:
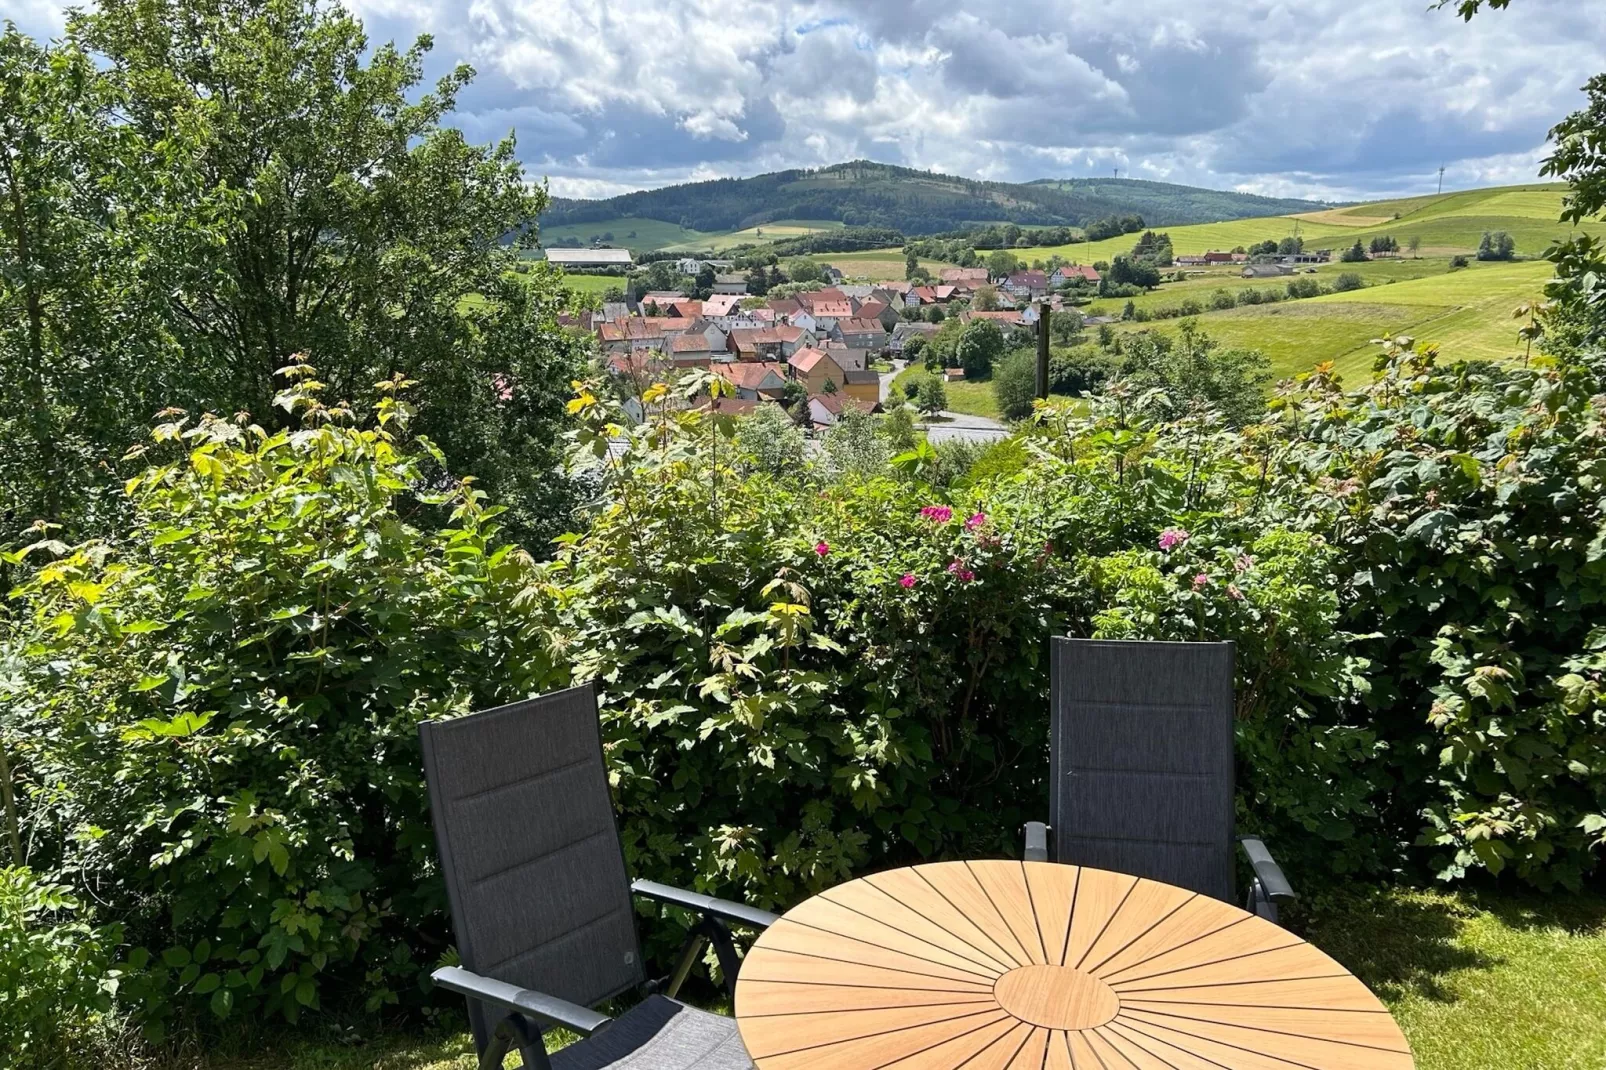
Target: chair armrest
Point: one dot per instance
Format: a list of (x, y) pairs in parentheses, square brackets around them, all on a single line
[(707, 905), (1036, 841), (538, 1005), (1267, 871)]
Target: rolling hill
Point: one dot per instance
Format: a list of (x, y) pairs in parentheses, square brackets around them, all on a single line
[(874, 194)]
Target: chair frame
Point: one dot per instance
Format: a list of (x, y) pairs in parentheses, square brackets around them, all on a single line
[(526, 1013), (1268, 887)]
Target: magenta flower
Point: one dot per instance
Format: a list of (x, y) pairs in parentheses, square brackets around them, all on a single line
[(1201, 581), (1171, 538), (822, 547), (937, 514), (976, 520), (958, 568), (1234, 593), (907, 580)]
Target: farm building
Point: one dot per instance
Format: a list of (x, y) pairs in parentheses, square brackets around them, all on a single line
[(579, 259)]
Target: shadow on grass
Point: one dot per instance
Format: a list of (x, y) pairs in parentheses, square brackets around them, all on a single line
[(1576, 914), (1397, 943)]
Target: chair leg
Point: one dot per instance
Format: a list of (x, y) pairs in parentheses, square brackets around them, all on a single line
[(1259, 903), (516, 1030), (695, 942), (725, 951)]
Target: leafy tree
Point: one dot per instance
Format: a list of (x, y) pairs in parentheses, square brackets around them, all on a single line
[(771, 440), (1384, 243), (1002, 263), (804, 270), (758, 282), (980, 347), (1355, 253), (1496, 245), (1415, 244), (1015, 384), (1346, 281), (1194, 370), (913, 346), (1125, 271), (911, 266), (985, 299), (1291, 246), (1153, 248), (931, 397), (703, 283), (934, 314)]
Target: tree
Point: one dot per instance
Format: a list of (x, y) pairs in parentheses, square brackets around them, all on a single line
[(985, 299), (1347, 280), (931, 397), (1125, 271), (1002, 263), (1355, 253), (1415, 244), (980, 346), (804, 270), (771, 441), (913, 346), (911, 265), (703, 284), (1496, 245), (1291, 246), (758, 282), (1015, 384)]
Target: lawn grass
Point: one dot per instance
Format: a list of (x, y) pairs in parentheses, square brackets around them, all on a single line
[(593, 284), (1477, 980), (970, 398)]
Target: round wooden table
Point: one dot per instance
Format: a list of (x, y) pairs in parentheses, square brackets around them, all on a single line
[(997, 964)]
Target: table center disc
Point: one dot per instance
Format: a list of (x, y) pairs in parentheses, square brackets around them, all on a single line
[(1056, 997)]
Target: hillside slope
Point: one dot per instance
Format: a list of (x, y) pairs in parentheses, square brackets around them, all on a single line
[(915, 202)]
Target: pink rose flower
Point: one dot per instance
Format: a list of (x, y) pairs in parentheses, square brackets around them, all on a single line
[(975, 521), (907, 580), (964, 574), (1201, 581), (937, 514), (822, 547), (1171, 538)]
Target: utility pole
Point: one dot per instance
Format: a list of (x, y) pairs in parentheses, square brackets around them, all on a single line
[(1042, 348), (1441, 178)]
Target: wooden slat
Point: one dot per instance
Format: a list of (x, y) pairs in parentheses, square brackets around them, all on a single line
[(936, 926), (906, 1049), (1272, 964), (953, 880), (1371, 1028), (955, 1052), (912, 888), (1307, 1050), (1099, 896), (765, 963), (1003, 1053), (1005, 886), (1150, 905), (1232, 943), (1034, 1055), (762, 998), (798, 1031), (1051, 890), (783, 936), (826, 915), (1340, 993), (1167, 1040), (1060, 1049)]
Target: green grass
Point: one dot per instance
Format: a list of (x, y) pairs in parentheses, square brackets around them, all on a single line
[(651, 234), (781, 228), (871, 265), (593, 284), (1478, 981), (1468, 312), (1204, 282), (972, 399)]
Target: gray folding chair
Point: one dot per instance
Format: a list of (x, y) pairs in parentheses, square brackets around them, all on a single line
[(541, 903), (1141, 755)]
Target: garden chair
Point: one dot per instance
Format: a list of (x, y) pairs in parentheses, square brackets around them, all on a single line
[(1141, 757), (541, 903)]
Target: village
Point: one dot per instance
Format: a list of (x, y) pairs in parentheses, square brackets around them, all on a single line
[(815, 351)]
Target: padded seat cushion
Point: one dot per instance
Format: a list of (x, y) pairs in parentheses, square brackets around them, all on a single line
[(659, 1034)]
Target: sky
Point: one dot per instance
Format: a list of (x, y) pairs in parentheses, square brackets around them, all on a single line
[(1330, 99)]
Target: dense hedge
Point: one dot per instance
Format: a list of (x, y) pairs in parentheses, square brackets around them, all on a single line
[(806, 670)]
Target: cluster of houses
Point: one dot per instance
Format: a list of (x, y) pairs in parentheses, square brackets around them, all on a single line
[(822, 340), (1262, 266)]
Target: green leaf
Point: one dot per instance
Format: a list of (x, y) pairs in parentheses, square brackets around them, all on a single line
[(222, 1002), (176, 957)]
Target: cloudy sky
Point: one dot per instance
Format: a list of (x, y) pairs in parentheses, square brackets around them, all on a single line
[(1326, 98)]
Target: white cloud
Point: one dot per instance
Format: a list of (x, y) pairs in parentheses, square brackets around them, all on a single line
[(1337, 98)]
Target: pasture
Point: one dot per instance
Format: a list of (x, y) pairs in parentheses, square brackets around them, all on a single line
[(1468, 312), (636, 234)]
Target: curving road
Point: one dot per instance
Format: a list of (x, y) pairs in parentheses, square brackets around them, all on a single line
[(950, 425)]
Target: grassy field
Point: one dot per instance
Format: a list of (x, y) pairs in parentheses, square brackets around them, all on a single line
[(593, 284), (871, 265), (781, 228), (1468, 312), (1477, 982), (1202, 283), (650, 234)]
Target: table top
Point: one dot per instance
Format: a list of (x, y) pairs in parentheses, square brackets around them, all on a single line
[(997, 965)]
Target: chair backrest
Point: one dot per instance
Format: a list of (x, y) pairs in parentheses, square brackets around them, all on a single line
[(1141, 753), (525, 829)]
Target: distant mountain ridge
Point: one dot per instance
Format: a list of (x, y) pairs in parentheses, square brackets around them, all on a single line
[(864, 193)]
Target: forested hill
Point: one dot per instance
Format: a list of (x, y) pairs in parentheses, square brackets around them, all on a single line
[(862, 193)]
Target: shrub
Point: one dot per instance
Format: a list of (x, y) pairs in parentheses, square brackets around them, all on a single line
[(1015, 384), (1303, 287), (223, 705), (55, 984), (1347, 281), (931, 395), (1457, 261), (1222, 299)]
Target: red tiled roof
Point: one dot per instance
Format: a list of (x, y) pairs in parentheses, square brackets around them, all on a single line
[(1012, 318), (1078, 271), (689, 343), (748, 374), (804, 360), (871, 310), (963, 274), (631, 330), (857, 326), (721, 304), (840, 309)]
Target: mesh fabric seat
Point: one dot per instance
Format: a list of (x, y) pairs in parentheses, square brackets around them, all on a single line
[(541, 900), (1141, 760)]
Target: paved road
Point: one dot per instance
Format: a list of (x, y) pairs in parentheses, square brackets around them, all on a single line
[(953, 425)]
